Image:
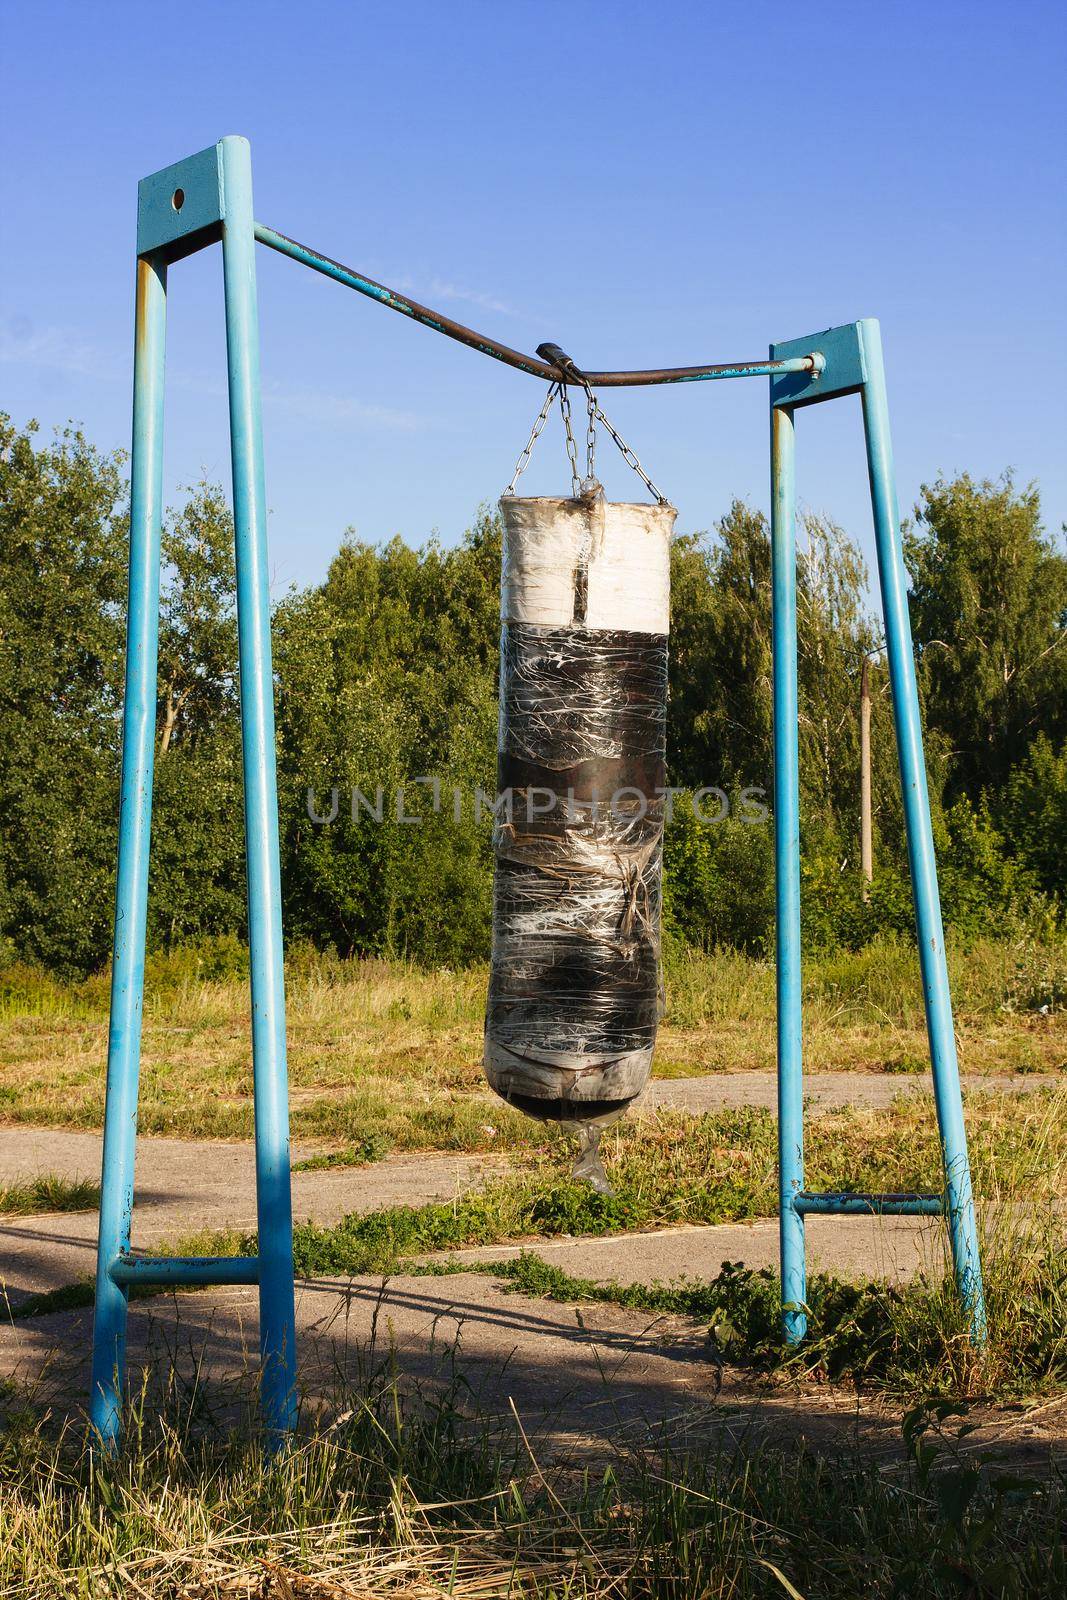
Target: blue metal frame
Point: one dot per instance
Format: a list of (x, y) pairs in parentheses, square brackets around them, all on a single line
[(196, 202), (853, 365), (206, 199)]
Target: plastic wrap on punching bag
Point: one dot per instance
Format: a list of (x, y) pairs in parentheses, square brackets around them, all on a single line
[(574, 986)]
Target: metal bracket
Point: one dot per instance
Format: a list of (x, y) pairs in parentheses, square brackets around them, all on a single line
[(180, 209), (844, 370)]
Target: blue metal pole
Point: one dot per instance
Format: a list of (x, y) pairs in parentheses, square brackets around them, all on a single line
[(277, 1324), (787, 871), (135, 821), (893, 579), (180, 1272)]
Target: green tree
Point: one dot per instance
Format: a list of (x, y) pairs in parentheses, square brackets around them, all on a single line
[(197, 620), (197, 885), (719, 722), (989, 609), (387, 674), (63, 531), (718, 886), (1033, 813), (720, 726)]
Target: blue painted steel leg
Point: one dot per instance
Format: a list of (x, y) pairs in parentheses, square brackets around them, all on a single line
[(277, 1326), (135, 821), (920, 835), (787, 871)]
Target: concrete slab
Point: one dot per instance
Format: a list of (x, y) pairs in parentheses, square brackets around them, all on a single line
[(896, 1248), (823, 1091), (587, 1383), (578, 1380)]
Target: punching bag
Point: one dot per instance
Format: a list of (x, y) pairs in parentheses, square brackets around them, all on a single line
[(574, 991)]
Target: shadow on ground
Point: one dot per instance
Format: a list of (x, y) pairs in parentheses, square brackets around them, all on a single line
[(584, 1382)]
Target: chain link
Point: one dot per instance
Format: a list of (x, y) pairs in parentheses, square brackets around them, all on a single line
[(524, 459), (628, 455), (590, 437), (594, 415), (572, 448)]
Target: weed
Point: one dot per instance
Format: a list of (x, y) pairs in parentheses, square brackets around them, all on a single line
[(26, 1197), (375, 1147)]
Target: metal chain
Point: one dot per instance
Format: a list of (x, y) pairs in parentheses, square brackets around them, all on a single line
[(594, 414), (590, 438), (628, 455), (572, 448), (524, 459)]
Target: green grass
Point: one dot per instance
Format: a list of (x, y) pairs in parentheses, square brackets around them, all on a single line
[(668, 1169), (903, 1340), (389, 1490), (25, 1197), (384, 1049), (392, 1492), (374, 1148)]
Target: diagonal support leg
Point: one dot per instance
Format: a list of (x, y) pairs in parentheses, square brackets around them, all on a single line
[(135, 822), (958, 1193), (787, 871), (277, 1326)]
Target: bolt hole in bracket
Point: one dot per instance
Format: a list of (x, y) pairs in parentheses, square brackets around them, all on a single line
[(181, 209)]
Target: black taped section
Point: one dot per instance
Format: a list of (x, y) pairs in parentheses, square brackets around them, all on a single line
[(559, 1110), (578, 844), (598, 779), (581, 592)]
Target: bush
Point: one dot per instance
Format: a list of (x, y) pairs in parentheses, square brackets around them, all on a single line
[(718, 881), (1033, 813)]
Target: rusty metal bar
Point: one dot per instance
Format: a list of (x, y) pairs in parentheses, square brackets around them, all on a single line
[(847, 1204), (514, 358)]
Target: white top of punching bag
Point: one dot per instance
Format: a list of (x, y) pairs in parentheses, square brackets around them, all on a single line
[(624, 548)]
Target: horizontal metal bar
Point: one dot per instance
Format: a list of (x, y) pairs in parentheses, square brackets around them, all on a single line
[(185, 1269), (867, 1205), (515, 358)]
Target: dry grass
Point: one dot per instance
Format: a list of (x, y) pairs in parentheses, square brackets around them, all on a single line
[(411, 1498), (383, 1048), (414, 1495)]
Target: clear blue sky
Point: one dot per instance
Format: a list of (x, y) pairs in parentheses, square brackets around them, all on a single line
[(647, 184)]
